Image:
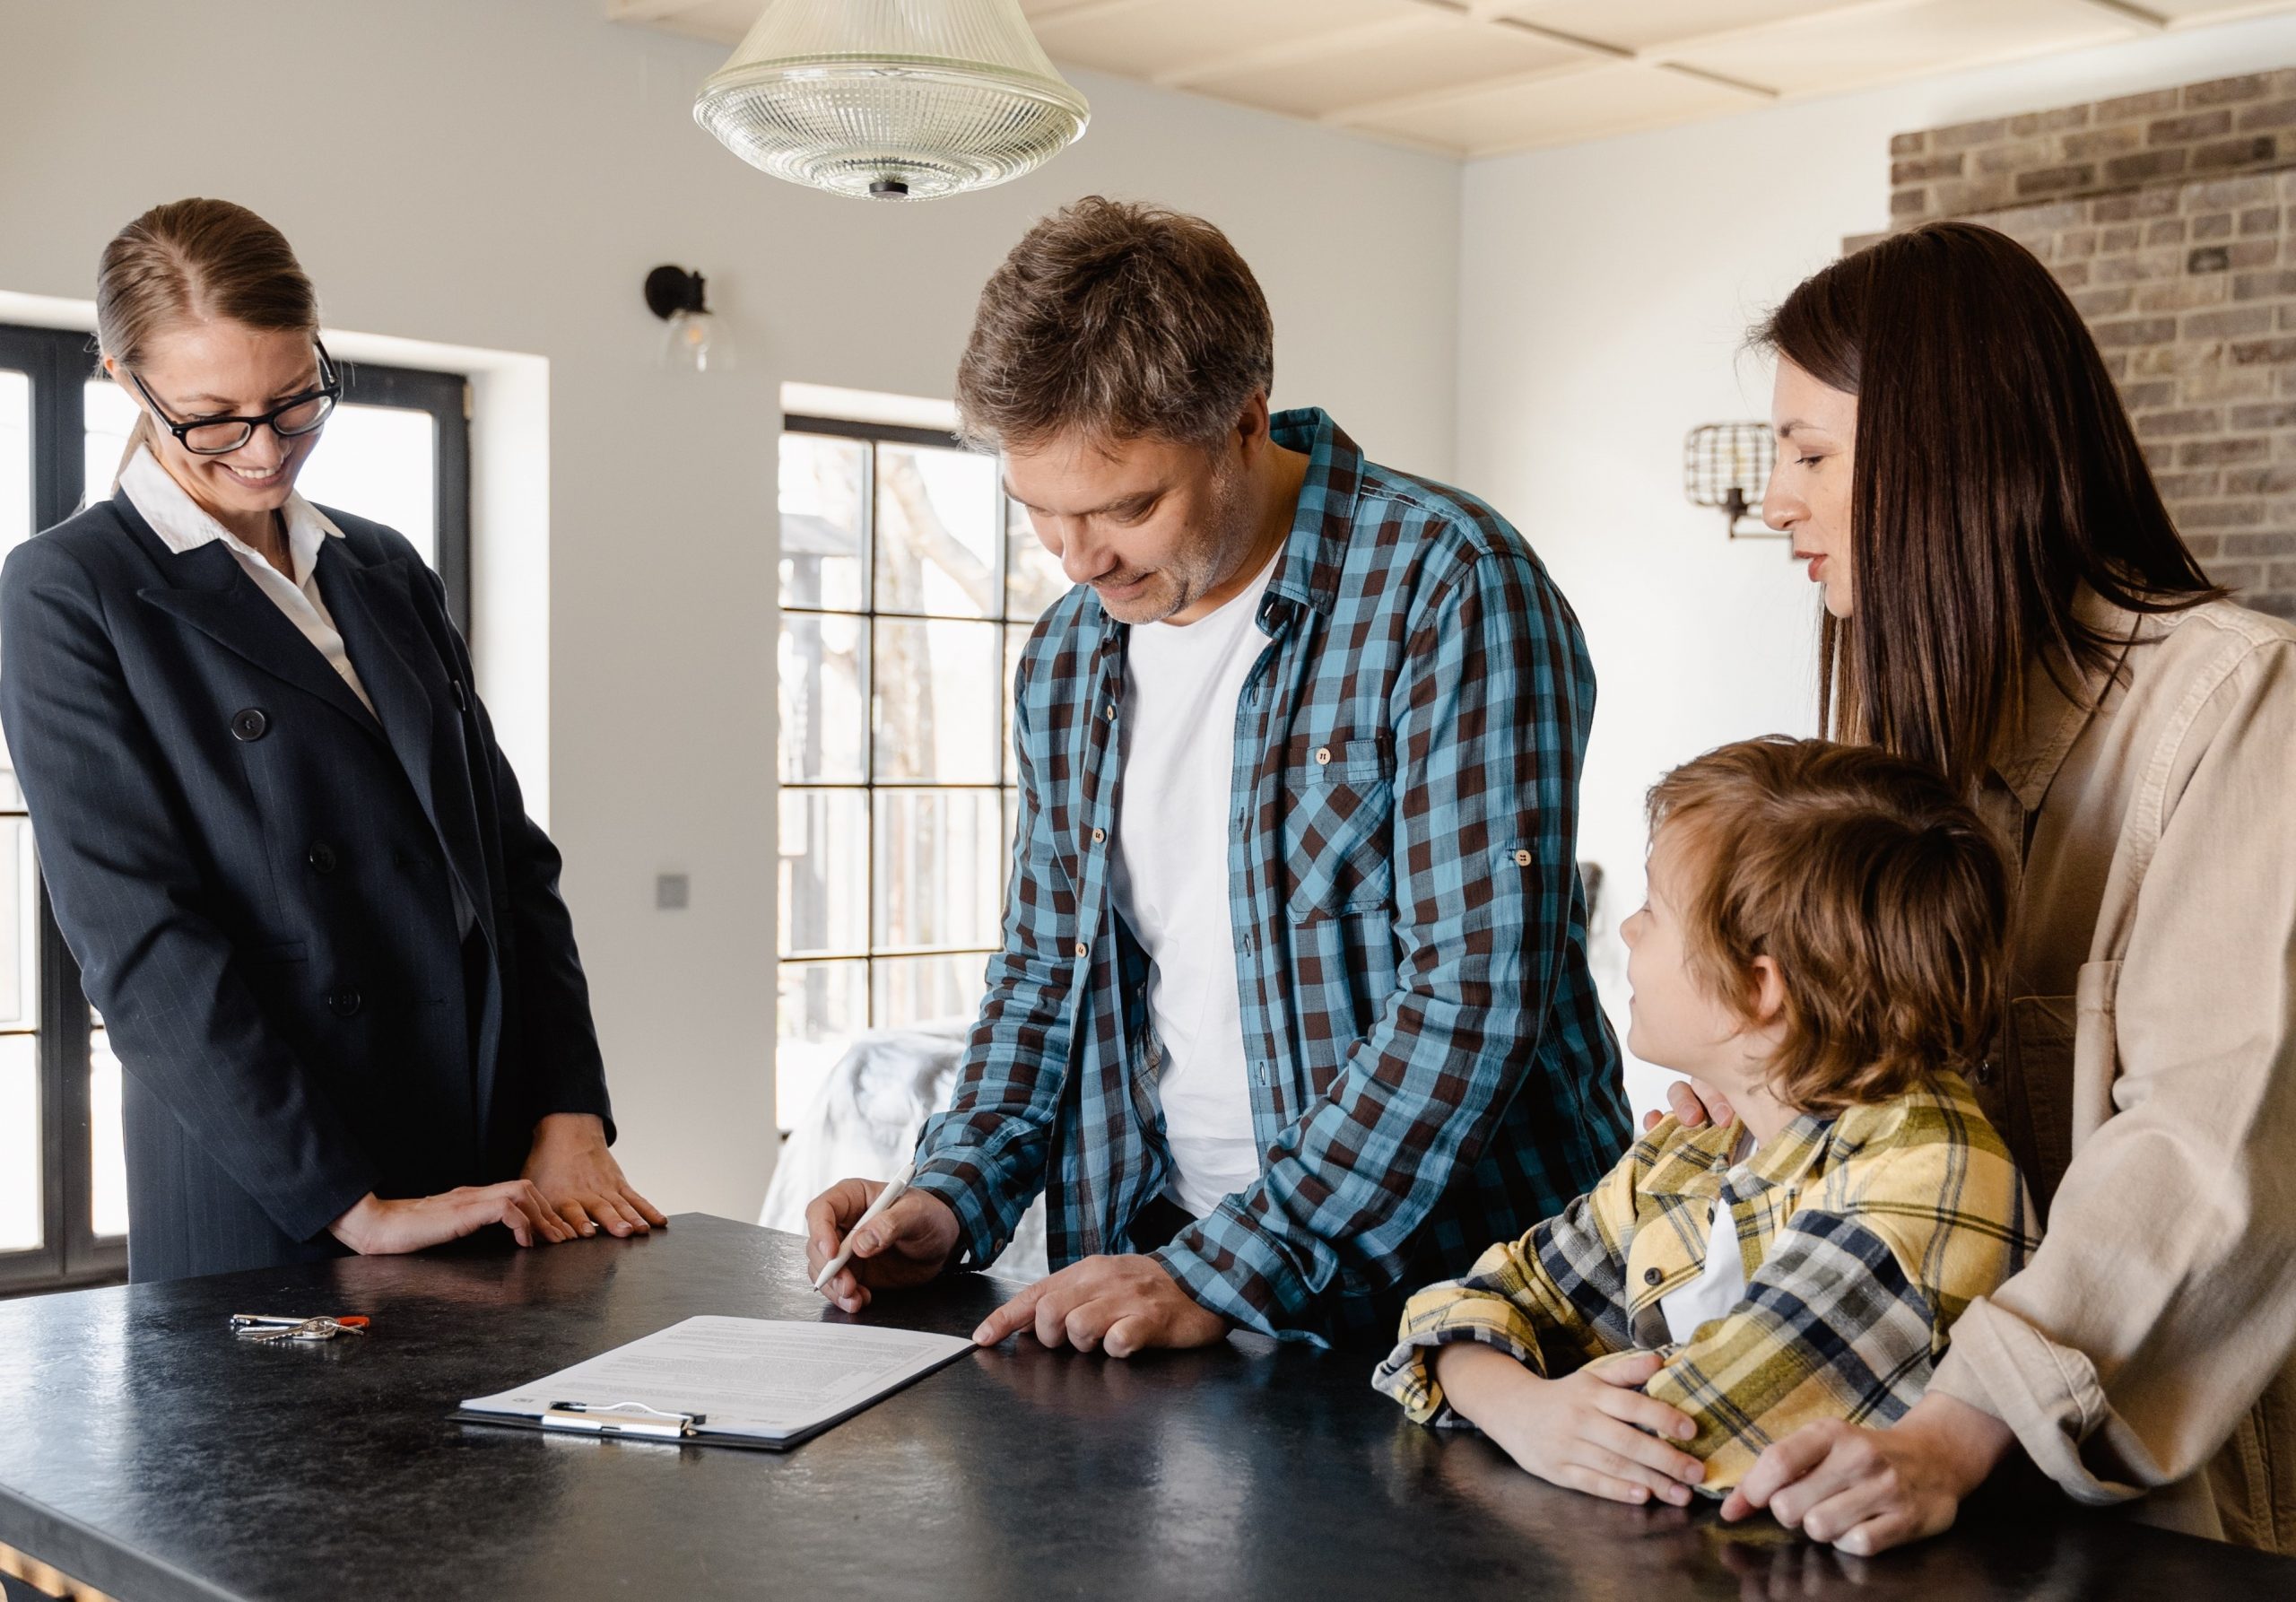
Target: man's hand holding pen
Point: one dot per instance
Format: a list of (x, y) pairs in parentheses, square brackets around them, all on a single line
[(906, 1245)]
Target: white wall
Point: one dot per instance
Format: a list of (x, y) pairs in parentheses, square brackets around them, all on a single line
[(502, 175), (1605, 292)]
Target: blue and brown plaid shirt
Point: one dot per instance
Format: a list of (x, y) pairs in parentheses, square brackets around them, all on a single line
[(1430, 1067)]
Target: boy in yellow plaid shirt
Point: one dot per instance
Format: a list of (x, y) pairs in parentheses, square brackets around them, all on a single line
[(1821, 943)]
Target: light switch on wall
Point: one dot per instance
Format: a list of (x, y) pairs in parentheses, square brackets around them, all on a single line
[(670, 891)]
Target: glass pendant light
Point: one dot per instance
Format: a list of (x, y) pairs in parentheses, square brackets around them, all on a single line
[(896, 99)]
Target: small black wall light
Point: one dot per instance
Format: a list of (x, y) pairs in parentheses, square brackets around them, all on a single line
[(692, 338)]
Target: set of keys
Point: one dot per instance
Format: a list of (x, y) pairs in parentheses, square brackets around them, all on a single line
[(264, 1327)]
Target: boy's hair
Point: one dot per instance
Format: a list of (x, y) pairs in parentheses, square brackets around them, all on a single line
[(1875, 890), (1123, 320)]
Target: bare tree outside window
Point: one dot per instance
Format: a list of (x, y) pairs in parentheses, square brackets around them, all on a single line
[(908, 587)]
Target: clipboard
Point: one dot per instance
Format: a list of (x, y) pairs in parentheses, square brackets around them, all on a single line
[(756, 1384)]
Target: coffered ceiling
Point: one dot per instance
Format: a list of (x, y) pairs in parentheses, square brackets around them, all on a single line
[(1484, 77)]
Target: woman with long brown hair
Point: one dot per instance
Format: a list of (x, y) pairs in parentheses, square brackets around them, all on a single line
[(2007, 598), (277, 830)]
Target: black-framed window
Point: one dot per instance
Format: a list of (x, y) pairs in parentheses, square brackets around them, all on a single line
[(398, 451), (908, 584)]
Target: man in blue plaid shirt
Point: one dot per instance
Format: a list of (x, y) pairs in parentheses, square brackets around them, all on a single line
[(1293, 1012)]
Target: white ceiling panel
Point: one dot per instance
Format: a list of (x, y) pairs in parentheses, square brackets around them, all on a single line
[(1649, 24), (1589, 103), (1868, 44), (1141, 38), (1480, 77), (1440, 54)]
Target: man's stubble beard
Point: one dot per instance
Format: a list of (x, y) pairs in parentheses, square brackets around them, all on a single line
[(1203, 566)]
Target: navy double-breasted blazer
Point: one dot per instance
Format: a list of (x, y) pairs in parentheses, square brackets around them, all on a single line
[(256, 875)]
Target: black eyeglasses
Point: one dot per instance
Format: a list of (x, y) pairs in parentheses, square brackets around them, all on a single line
[(221, 436)]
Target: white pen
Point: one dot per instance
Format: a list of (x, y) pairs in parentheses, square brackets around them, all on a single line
[(885, 1198)]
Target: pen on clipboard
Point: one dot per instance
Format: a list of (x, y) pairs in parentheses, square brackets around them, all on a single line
[(886, 1198)]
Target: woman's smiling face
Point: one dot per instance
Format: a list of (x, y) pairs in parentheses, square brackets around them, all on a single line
[(1808, 494), (217, 368)]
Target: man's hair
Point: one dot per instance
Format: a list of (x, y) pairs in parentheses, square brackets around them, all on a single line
[(1122, 320), (1878, 892)]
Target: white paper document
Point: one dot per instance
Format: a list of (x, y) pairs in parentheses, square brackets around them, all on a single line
[(760, 1380)]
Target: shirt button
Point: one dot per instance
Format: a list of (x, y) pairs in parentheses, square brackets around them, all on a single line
[(1111, 714), (322, 858), (344, 1002), (250, 723), (1651, 1276), (1098, 835), (1983, 1071), (1083, 950), (1522, 860), (1323, 756)]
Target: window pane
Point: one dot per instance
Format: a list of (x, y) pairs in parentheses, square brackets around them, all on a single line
[(15, 502), (1004, 858), (824, 871), (18, 927), (110, 415), (15, 459), (1016, 640), (936, 531), (382, 462), (936, 876), (823, 483), (824, 720), (1033, 579), (108, 1157), (936, 702), (21, 1226), (823, 1006), (911, 990)]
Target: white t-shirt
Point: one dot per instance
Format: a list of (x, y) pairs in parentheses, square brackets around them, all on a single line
[(1720, 1287), (1169, 877)]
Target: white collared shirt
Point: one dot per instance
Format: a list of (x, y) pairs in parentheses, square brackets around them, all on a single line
[(182, 526), (1721, 1285)]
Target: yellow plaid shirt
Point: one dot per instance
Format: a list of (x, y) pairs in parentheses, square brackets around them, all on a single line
[(1863, 1235)]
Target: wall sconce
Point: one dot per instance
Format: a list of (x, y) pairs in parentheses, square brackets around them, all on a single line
[(1727, 465), (694, 338)]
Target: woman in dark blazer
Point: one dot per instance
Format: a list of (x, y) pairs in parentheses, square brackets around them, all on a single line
[(277, 831)]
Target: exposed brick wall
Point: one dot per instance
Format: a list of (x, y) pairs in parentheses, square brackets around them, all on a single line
[(2171, 218)]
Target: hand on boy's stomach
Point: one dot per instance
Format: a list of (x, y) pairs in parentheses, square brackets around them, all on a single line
[(1593, 1430)]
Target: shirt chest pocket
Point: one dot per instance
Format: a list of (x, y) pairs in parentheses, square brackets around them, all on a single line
[(1338, 801)]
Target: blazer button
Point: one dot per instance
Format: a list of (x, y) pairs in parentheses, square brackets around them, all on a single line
[(249, 723), (1651, 1276), (322, 858), (344, 1002)]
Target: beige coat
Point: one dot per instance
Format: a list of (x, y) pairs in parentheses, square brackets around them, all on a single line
[(2146, 1080)]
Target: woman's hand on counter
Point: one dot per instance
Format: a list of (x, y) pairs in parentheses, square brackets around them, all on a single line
[(580, 1181), (376, 1228), (1866, 1490)]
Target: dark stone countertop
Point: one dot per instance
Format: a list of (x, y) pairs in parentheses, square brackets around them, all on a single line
[(144, 1451)]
